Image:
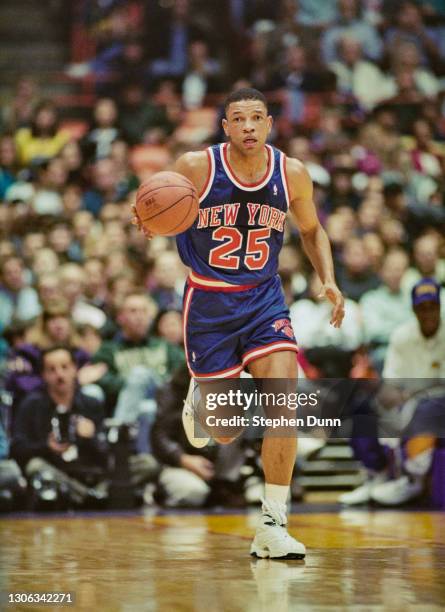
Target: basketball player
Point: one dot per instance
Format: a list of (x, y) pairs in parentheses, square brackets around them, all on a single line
[(235, 316)]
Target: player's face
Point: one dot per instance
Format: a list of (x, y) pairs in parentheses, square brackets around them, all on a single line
[(247, 125)]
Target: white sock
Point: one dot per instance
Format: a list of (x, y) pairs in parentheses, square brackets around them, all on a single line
[(277, 493)]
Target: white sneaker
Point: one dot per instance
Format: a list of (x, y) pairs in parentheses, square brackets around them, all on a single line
[(363, 493), (272, 539), (195, 434), (397, 492)]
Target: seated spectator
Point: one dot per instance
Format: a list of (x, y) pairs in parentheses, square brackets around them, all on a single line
[(167, 280), (51, 178), (95, 287), (56, 436), (137, 363), (31, 244), (191, 477), (417, 348), (325, 347), (359, 77), (168, 325), (202, 76), (43, 139), (104, 188), (12, 483), (349, 22), (409, 27), (387, 307), (380, 135), (17, 300), (72, 157), (104, 131), (406, 59), (416, 218), (61, 240), (8, 163), (354, 275), (427, 262), (416, 351), (44, 261), (72, 278), (19, 111)]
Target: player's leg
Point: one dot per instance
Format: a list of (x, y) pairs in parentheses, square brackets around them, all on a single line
[(278, 455), (194, 415)]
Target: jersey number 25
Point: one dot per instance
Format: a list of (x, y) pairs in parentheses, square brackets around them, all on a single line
[(257, 248)]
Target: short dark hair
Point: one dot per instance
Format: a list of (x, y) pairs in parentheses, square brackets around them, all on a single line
[(246, 93), (52, 349)]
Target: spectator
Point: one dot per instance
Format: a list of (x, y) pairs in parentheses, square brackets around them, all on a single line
[(140, 118), (19, 112), (409, 28), (427, 262), (43, 139), (416, 218), (417, 348), (136, 361), (72, 278), (406, 60), (387, 307), (416, 351), (17, 299), (8, 164), (191, 476), (168, 278), (57, 432), (201, 77), (51, 178), (325, 347), (355, 277), (105, 130), (349, 22), (358, 77), (61, 241), (12, 483), (104, 188), (168, 325)]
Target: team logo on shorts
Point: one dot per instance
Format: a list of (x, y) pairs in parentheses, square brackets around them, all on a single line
[(284, 325)]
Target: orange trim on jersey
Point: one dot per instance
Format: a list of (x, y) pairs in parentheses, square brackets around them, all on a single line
[(266, 174), (267, 349), (212, 284)]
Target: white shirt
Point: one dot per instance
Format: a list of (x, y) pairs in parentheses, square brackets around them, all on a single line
[(310, 321), (411, 355)]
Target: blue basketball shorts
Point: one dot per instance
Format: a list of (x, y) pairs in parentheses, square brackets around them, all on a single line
[(225, 328)]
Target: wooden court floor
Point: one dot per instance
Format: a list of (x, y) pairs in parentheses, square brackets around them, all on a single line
[(357, 560)]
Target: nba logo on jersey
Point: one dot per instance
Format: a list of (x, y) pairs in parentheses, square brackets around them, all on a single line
[(275, 190)]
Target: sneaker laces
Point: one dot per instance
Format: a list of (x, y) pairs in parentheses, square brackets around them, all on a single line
[(275, 511)]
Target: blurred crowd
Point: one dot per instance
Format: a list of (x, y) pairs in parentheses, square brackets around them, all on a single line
[(357, 92)]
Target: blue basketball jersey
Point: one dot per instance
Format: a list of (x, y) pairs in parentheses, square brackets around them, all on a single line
[(238, 233)]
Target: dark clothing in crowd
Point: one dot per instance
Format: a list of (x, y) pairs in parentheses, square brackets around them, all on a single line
[(33, 425)]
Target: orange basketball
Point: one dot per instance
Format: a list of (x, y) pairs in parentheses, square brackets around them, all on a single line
[(167, 203)]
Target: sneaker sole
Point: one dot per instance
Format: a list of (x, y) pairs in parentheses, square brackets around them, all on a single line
[(295, 556)]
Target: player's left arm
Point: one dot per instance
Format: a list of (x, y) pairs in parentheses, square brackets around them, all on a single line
[(315, 240)]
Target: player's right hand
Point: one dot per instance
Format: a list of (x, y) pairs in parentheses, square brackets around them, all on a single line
[(136, 221)]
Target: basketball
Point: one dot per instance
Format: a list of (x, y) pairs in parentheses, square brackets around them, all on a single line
[(167, 203)]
